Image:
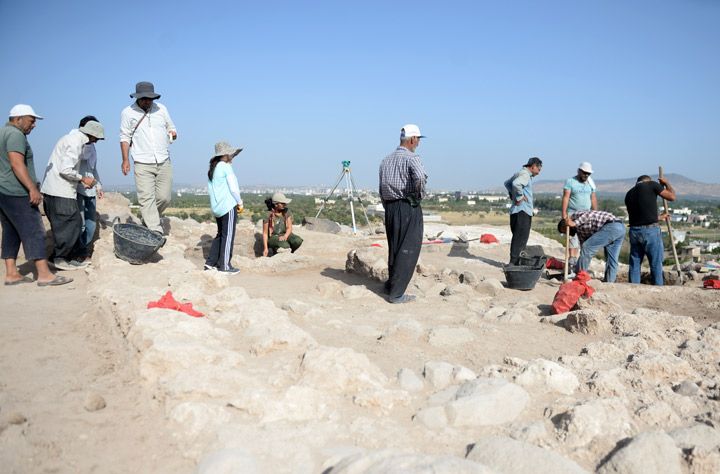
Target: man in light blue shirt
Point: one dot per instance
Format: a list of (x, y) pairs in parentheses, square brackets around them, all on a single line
[(519, 188), (578, 195)]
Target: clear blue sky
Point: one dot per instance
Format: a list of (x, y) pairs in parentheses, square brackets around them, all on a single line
[(628, 85)]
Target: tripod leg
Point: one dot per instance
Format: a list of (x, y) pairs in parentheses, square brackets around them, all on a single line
[(348, 186), (330, 194), (362, 206)]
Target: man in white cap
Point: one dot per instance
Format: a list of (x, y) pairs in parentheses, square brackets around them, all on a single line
[(59, 189), (402, 188), (578, 195), (20, 199), (146, 131)]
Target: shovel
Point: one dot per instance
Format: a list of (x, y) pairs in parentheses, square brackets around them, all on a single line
[(670, 233)]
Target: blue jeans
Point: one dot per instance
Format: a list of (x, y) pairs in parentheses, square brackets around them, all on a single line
[(88, 211), (646, 241), (610, 237)]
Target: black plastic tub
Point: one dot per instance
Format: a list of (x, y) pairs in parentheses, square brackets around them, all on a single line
[(135, 244), (521, 277)]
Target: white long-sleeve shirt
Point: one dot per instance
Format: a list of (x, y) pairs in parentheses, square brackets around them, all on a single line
[(62, 173), (150, 142)]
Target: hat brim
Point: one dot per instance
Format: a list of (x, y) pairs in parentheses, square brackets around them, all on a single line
[(232, 155), (144, 95)]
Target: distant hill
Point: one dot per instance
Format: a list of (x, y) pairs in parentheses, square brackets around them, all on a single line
[(685, 187)]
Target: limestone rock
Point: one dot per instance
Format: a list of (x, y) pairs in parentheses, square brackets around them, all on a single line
[(486, 401), (227, 461), (370, 262), (392, 462), (94, 402), (588, 420), (686, 388), (432, 417), (652, 451), (701, 436), (661, 367), (463, 374), (509, 456), (548, 375), (587, 321), (355, 292), (405, 330), (408, 380), (340, 370), (318, 224), (438, 373)]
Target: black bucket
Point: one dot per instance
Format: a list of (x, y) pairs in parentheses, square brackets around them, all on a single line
[(521, 277), (135, 244), (534, 262)]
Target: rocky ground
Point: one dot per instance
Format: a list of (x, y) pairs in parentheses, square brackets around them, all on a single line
[(301, 366)]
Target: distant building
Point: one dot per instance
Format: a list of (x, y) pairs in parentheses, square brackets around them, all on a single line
[(470, 203)]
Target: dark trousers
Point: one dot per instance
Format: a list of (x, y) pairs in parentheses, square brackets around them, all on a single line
[(66, 224), (404, 230), (520, 223), (222, 245), (21, 223)]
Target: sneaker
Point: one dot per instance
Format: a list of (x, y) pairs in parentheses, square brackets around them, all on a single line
[(402, 299), (209, 267), (230, 270), (62, 264), (283, 250), (79, 263)]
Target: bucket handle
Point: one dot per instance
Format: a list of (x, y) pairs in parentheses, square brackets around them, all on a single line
[(116, 221)]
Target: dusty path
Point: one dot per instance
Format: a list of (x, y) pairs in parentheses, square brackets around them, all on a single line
[(54, 354)]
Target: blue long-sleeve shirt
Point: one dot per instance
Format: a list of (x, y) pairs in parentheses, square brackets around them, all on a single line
[(518, 186)]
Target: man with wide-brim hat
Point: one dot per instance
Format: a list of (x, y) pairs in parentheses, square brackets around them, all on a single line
[(278, 227), (146, 132), (59, 188)]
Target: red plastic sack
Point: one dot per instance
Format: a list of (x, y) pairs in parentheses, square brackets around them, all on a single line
[(554, 264), (569, 293), (168, 302), (712, 283), (488, 239)]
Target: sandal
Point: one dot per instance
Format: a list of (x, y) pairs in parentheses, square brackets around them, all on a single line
[(57, 281), (24, 279)]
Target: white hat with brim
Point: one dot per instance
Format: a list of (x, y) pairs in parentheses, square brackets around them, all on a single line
[(586, 167), (23, 110), (280, 197), (224, 148), (94, 129), (410, 130)]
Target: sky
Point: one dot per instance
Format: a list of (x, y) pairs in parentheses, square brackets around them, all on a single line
[(628, 85)]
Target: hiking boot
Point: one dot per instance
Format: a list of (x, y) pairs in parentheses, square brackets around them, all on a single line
[(63, 264)]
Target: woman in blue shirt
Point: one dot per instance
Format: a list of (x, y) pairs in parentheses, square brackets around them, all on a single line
[(225, 202)]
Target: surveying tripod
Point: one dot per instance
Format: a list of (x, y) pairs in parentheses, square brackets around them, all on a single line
[(351, 192)]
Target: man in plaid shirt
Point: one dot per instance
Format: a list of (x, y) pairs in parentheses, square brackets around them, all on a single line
[(596, 230), (402, 187)]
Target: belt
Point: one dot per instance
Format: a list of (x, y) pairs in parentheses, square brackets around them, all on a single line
[(644, 226)]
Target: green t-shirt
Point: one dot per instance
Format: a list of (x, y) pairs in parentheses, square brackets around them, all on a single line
[(12, 139)]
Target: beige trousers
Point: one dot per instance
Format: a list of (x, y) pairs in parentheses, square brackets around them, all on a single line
[(153, 183)]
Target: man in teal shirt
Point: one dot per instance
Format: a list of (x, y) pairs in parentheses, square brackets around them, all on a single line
[(519, 188), (578, 195), (19, 201)]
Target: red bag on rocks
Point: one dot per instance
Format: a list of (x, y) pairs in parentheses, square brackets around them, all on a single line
[(570, 292), (169, 302), (712, 283), (554, 264), (488, 239)]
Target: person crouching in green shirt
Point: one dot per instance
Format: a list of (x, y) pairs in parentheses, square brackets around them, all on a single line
[(277, 228)]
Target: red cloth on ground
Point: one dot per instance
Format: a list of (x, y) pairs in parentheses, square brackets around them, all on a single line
[(375, 245), (569, 293), (168, 302), (712, 283), (488, 239), (555, 264)]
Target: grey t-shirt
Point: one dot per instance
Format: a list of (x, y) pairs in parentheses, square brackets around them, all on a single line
[(12, 139)]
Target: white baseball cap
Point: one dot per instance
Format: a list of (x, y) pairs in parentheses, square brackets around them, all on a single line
[(586, 167), (21, 110), (410, 130)]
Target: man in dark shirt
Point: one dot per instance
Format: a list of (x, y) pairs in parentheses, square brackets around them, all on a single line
[(645, 234), (596, 230)]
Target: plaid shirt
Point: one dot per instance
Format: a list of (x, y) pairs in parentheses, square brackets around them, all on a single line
[(589, 222), (402, 174)]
